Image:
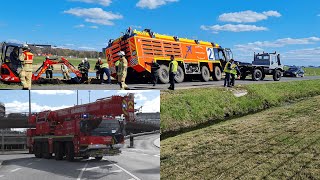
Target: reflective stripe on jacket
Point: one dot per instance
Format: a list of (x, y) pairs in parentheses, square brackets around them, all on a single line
[(28, 57), (104, 65), (233, 69), (173, 66), (226, 69)]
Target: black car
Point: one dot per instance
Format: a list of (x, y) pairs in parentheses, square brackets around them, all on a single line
[(294, 72)]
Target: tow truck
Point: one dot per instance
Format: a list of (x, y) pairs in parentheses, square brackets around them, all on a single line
[(263, 64)]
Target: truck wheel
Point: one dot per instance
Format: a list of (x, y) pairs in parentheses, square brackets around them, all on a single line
[(85, 157), (36, 150), (180, 75), (216, 74), (205, 74), (58, 151), (257, 75), (98, 158), (263, 76), (164, 74), (277, 75), (46, 153), (243, 77), (70, 151), (39, 150)]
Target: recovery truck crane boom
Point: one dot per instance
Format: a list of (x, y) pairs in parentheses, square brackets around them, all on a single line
[(89, 130)]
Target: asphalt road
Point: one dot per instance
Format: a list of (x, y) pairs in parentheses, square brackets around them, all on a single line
[(184, 85), (138, 163)]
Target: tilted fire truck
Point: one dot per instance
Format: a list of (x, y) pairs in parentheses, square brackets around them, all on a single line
[(89, 130), (196, 59)]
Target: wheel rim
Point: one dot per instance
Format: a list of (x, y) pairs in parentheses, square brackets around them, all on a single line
[(258, 75), (164, 74)]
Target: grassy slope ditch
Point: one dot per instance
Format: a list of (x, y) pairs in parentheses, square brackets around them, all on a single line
[(183, 109), (279, 143)]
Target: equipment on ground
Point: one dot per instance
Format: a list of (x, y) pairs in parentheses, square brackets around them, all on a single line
[(262, 65), (90, 130), (196, 59), (9, 74)]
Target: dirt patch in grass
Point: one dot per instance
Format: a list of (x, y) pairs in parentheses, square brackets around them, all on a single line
[(279, 143)]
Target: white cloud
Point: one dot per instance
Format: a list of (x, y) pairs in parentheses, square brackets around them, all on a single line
[(53, 92), (19, 107), (233, 28), (87, 48), (94, 27), (80, 26), (152, 106), (15, 41), (277, 43), (153, 4), (95, 15), (247, 16), (101, 2)]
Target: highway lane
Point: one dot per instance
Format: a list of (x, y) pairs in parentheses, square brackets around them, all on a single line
[(184, 85), (138, 163)]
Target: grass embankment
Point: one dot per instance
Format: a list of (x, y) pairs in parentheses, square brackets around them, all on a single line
[(312, 71), (183, 109), (279, 143)]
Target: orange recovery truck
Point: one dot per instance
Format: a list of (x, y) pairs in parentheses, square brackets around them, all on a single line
[(196, 59)]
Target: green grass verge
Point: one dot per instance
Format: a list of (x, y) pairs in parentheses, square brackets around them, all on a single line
[(184, 109), (312, 71), (75, 61), (279, 143)]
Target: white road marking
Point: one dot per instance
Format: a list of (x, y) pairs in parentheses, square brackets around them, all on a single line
[(83, 169), (14, 170), (134, 177), (116, 171), (1, 176), (158, 155), (29, 164)]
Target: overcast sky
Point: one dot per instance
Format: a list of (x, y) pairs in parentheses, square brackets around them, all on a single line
[(16, 101)]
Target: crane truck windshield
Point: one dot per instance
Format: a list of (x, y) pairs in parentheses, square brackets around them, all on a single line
[(100, 127)]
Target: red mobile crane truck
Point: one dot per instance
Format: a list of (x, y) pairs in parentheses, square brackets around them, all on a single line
[(89, 130)]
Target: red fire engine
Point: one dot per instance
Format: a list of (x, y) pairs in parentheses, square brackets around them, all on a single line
[(89, 130)]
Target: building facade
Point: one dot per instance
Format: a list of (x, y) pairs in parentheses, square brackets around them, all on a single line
[(2, 110)]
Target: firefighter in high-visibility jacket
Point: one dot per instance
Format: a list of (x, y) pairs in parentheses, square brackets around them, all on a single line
[(173, 69), (234, 72), (25, 73), (227, 70), (104, 69), (122, 71)]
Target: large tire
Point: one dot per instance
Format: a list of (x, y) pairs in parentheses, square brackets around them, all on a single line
[(58, 151), (37, 150), (70, 151), (263, 76), (216, 74), (98, 158), (205, 74), (85, 157), (180, 75), (164, 74), (257, 75), (243, 76), (46, 153), (277, 75)]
